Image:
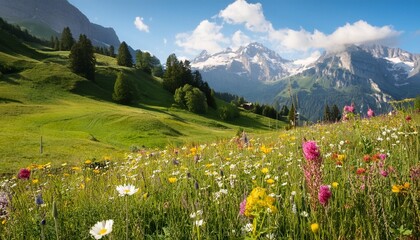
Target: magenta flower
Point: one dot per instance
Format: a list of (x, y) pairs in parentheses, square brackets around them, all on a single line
[(311, 151), (370, 113), (349, 109), (384, 173), (382, 156), (324, 194), (24, 173), (242, 207)]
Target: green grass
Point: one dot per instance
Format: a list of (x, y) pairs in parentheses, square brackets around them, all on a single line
[(77, 119)]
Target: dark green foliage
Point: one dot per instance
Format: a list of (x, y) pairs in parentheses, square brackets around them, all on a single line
[(284, 111), (327, 114), (16, 31), (191, 98), (67, 40), (157, 71), (148, 63), (228, 112), (258, 109), (122, 90), (124, 57), (56, 44), (292, 115), (335, 113), (111, 51), (82, 58), (227, 97)]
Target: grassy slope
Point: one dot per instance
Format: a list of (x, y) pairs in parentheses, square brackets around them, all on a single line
[(39, 100)]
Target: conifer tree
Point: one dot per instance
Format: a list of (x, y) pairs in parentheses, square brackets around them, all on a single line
[(82, 58), (122, 90), (335, 113), (292, 115), (327, 114), (111, 51), (56, 44), (124, 57), (67, 40)]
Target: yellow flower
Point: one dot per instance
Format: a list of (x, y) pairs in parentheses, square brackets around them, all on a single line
[(88, 161), (265, 149), (314, 227), (341, 157), (96, 171), (401, 188), (87, 179), (335, 184), (82, 186), (395, 189), (4, 221), (145, 195), (258, 201), (172, 179), (66, 174), (270, 181), (76, 168), (35, 181), (264, 170)]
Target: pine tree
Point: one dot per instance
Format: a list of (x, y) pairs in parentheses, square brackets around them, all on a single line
[(122, 90), (82, 58), (52, 42), (111, 51), (67, 40), (335, 114), (327, 114), (124, 57), (173, 74), (292, 115), (56, 44)]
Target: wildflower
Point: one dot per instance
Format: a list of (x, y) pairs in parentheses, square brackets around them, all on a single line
[(248, 227), (264, 170), (172, 179), (242, 207), (126, 190), (24, 173), (88, 161), (304, 214), (101, 229), (401, 188), (257, 201), (35, 181), (341, 157), (349, 109), (311, 151), (384, 173), (270, 181), (366, 158), (314, 227), (335, 184), (370, 113), (360, 171), (324, 194), (408, 118), (38, 200), (4, 203), (199, 222)]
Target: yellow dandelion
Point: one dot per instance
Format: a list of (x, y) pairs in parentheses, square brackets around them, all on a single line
[(314, 227), (172, 179), (82, 186), (35, 181), (264, 170), (4, 221), (66, 175), (270, 181), (87, 179), (335, 184), (64, 164), (88, 161), (76, 168), (341, 157), (97, 171)]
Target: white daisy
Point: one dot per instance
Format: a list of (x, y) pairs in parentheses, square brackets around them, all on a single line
[(126, 190), (101, 229)]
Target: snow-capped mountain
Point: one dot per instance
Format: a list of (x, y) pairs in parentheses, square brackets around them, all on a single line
[(254, 62), (369, 76)]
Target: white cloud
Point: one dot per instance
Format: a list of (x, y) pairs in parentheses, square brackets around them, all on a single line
[(239, 39), (165, 41), (357, 33), (241, 12), (206, 36), (140, 25)]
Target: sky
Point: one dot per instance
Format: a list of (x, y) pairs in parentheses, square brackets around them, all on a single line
[(295, 29)]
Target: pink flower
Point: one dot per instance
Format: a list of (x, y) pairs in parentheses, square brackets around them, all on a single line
[(324, 194), (349, 109), (370, 113), (382, 156), (384, 173), (24, 173), (242, 207), (311, 151)]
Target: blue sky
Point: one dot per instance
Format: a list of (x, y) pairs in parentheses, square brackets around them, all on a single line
[(293, 28)]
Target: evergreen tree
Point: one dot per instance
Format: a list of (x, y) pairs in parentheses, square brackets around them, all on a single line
[(56, 44), (82, 58), (335, 114), (124, 57), (52, 42), (327, 114), (157, 71), (111, 51), (292, 115), (191, 98), (67, 40), (284, 111), (122, 90), (172, 78)]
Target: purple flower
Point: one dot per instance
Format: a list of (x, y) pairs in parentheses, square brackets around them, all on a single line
[(242, 207), (370, 113), (24, 173), (311, 151), (324, 194)]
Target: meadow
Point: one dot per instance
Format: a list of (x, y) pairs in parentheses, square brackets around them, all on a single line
[(358, 179)]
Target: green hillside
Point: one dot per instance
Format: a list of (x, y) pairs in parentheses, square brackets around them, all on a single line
[(77, 120)]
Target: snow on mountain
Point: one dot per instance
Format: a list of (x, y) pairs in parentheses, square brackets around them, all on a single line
[(254, 61)]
